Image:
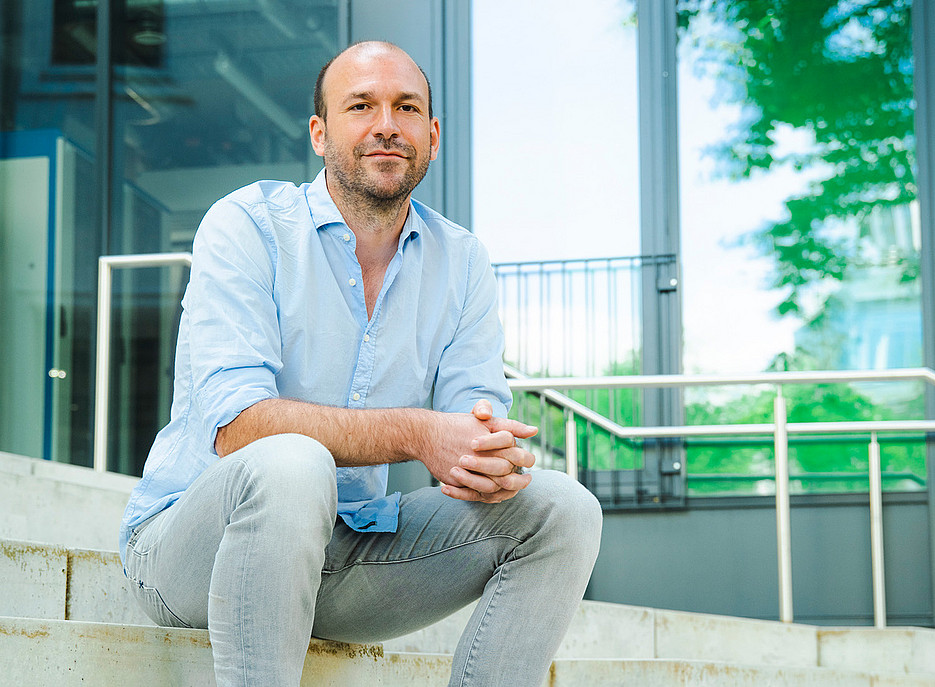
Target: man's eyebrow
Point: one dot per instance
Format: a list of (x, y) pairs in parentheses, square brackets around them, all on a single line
[(368, 95), (411, 96), (361, 95)]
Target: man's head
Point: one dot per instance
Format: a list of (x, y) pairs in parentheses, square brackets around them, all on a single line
[(380, 134), (321, 108)]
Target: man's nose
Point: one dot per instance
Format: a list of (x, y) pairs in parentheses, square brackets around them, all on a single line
[(386, 125)]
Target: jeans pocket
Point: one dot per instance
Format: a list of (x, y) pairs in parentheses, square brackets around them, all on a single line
[(152, 604)]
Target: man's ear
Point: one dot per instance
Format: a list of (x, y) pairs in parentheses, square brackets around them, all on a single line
[(316, 131), (435, 138)]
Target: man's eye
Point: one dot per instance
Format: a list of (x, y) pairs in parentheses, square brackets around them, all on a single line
[(359, 107), (408, 108)]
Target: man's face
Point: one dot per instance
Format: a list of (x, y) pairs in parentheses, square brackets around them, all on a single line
[(379, 138)]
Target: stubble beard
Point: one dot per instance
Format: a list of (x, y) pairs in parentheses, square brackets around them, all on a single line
[(365, 193)]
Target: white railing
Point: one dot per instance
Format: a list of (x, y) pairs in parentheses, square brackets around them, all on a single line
[(106, 265), (548, 387), (779, 428)]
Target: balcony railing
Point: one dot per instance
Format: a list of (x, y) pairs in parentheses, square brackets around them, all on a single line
[(552, 389)]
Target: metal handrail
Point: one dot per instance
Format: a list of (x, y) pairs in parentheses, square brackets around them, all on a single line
[(106, 265), (780, 429), (922, 374)]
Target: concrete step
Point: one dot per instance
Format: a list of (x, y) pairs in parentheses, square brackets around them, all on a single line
[(51, 582), (65, 653), (900, 649), (69, 653), (60, 504), (676, 673), (432, 670), (55, 583)]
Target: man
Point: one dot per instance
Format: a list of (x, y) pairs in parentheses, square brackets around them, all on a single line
[(319, 325)]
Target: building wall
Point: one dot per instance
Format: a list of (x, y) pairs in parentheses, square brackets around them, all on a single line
[(719, 556)]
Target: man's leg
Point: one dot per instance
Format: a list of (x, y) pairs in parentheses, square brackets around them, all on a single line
[(528, 559), (241, 553)]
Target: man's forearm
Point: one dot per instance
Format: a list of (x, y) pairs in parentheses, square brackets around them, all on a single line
[(353, 436), (473, 454)]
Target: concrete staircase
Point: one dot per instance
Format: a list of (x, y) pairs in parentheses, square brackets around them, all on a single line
[(67, 619)]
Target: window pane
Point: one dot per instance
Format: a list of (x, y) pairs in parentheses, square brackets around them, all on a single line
[(555, 129), (47, 199), (556, 201), (208, 97), (800, 230)]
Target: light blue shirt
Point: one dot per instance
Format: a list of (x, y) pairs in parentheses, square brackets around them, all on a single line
[(275, 308)]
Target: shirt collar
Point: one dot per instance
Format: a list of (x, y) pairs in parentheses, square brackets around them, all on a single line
[(325, 212)]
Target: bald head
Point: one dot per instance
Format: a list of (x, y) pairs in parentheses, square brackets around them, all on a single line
[(362, 52)]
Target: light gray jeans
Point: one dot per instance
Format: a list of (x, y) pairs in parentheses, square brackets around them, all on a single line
[(252, 552)]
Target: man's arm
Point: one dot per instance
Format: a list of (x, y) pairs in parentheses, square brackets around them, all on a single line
[(472, 454)]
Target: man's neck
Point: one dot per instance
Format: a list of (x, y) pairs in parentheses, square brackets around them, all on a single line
[(376, 225)]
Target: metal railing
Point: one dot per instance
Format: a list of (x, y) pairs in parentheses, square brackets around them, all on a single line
[(780, 429), (106, 265), (543, 305)]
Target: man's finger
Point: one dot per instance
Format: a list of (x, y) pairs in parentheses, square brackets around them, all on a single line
[(501, 463), (514, 427), (483, 410), (493, 466), (465, 494), (513, 481), (475, 481), (494, 441)]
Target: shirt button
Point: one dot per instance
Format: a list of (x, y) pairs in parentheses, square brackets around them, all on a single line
[(366, 337), (346, 237), (352, 281), (356, 397)]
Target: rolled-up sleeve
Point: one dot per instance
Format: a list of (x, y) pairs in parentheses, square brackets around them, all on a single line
[(235, 338), (471, 366)]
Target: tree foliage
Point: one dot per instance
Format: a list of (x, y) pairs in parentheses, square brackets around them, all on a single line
[(839, 70)]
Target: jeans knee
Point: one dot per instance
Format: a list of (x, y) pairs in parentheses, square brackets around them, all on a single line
[(290, 472), (573, 513)]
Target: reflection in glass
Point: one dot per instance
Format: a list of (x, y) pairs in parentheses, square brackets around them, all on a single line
[(797, 181), (207, 97)]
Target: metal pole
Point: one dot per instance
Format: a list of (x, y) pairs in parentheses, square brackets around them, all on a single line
[(571, 446), (783, 528), (102, 367), (105, 266), (876, 534)]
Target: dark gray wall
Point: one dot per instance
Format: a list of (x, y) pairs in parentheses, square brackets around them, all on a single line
[(719, 556)]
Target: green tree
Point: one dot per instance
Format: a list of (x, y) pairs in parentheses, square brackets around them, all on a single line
[(840, 70)]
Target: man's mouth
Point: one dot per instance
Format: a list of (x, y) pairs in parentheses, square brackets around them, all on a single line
[(385, 153)]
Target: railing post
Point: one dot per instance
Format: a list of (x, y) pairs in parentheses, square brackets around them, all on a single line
[(783, 527), (105, 266), (876, 534), (571, 445), (102, 366)]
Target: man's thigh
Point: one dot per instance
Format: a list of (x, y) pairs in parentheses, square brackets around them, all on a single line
[(381, 585)]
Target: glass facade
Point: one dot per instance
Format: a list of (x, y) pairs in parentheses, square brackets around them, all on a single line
[(800, 224), (779, 230), (122, 152)]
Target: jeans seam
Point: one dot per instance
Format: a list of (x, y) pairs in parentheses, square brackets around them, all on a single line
[(243, 582), (423, 556), (472, 652)]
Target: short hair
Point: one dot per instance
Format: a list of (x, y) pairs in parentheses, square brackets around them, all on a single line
[(319, 97)]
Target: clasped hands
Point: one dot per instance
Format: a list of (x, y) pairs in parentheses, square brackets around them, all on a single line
[(489, 467)]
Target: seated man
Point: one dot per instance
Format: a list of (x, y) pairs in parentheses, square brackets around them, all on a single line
[(320, 325)]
